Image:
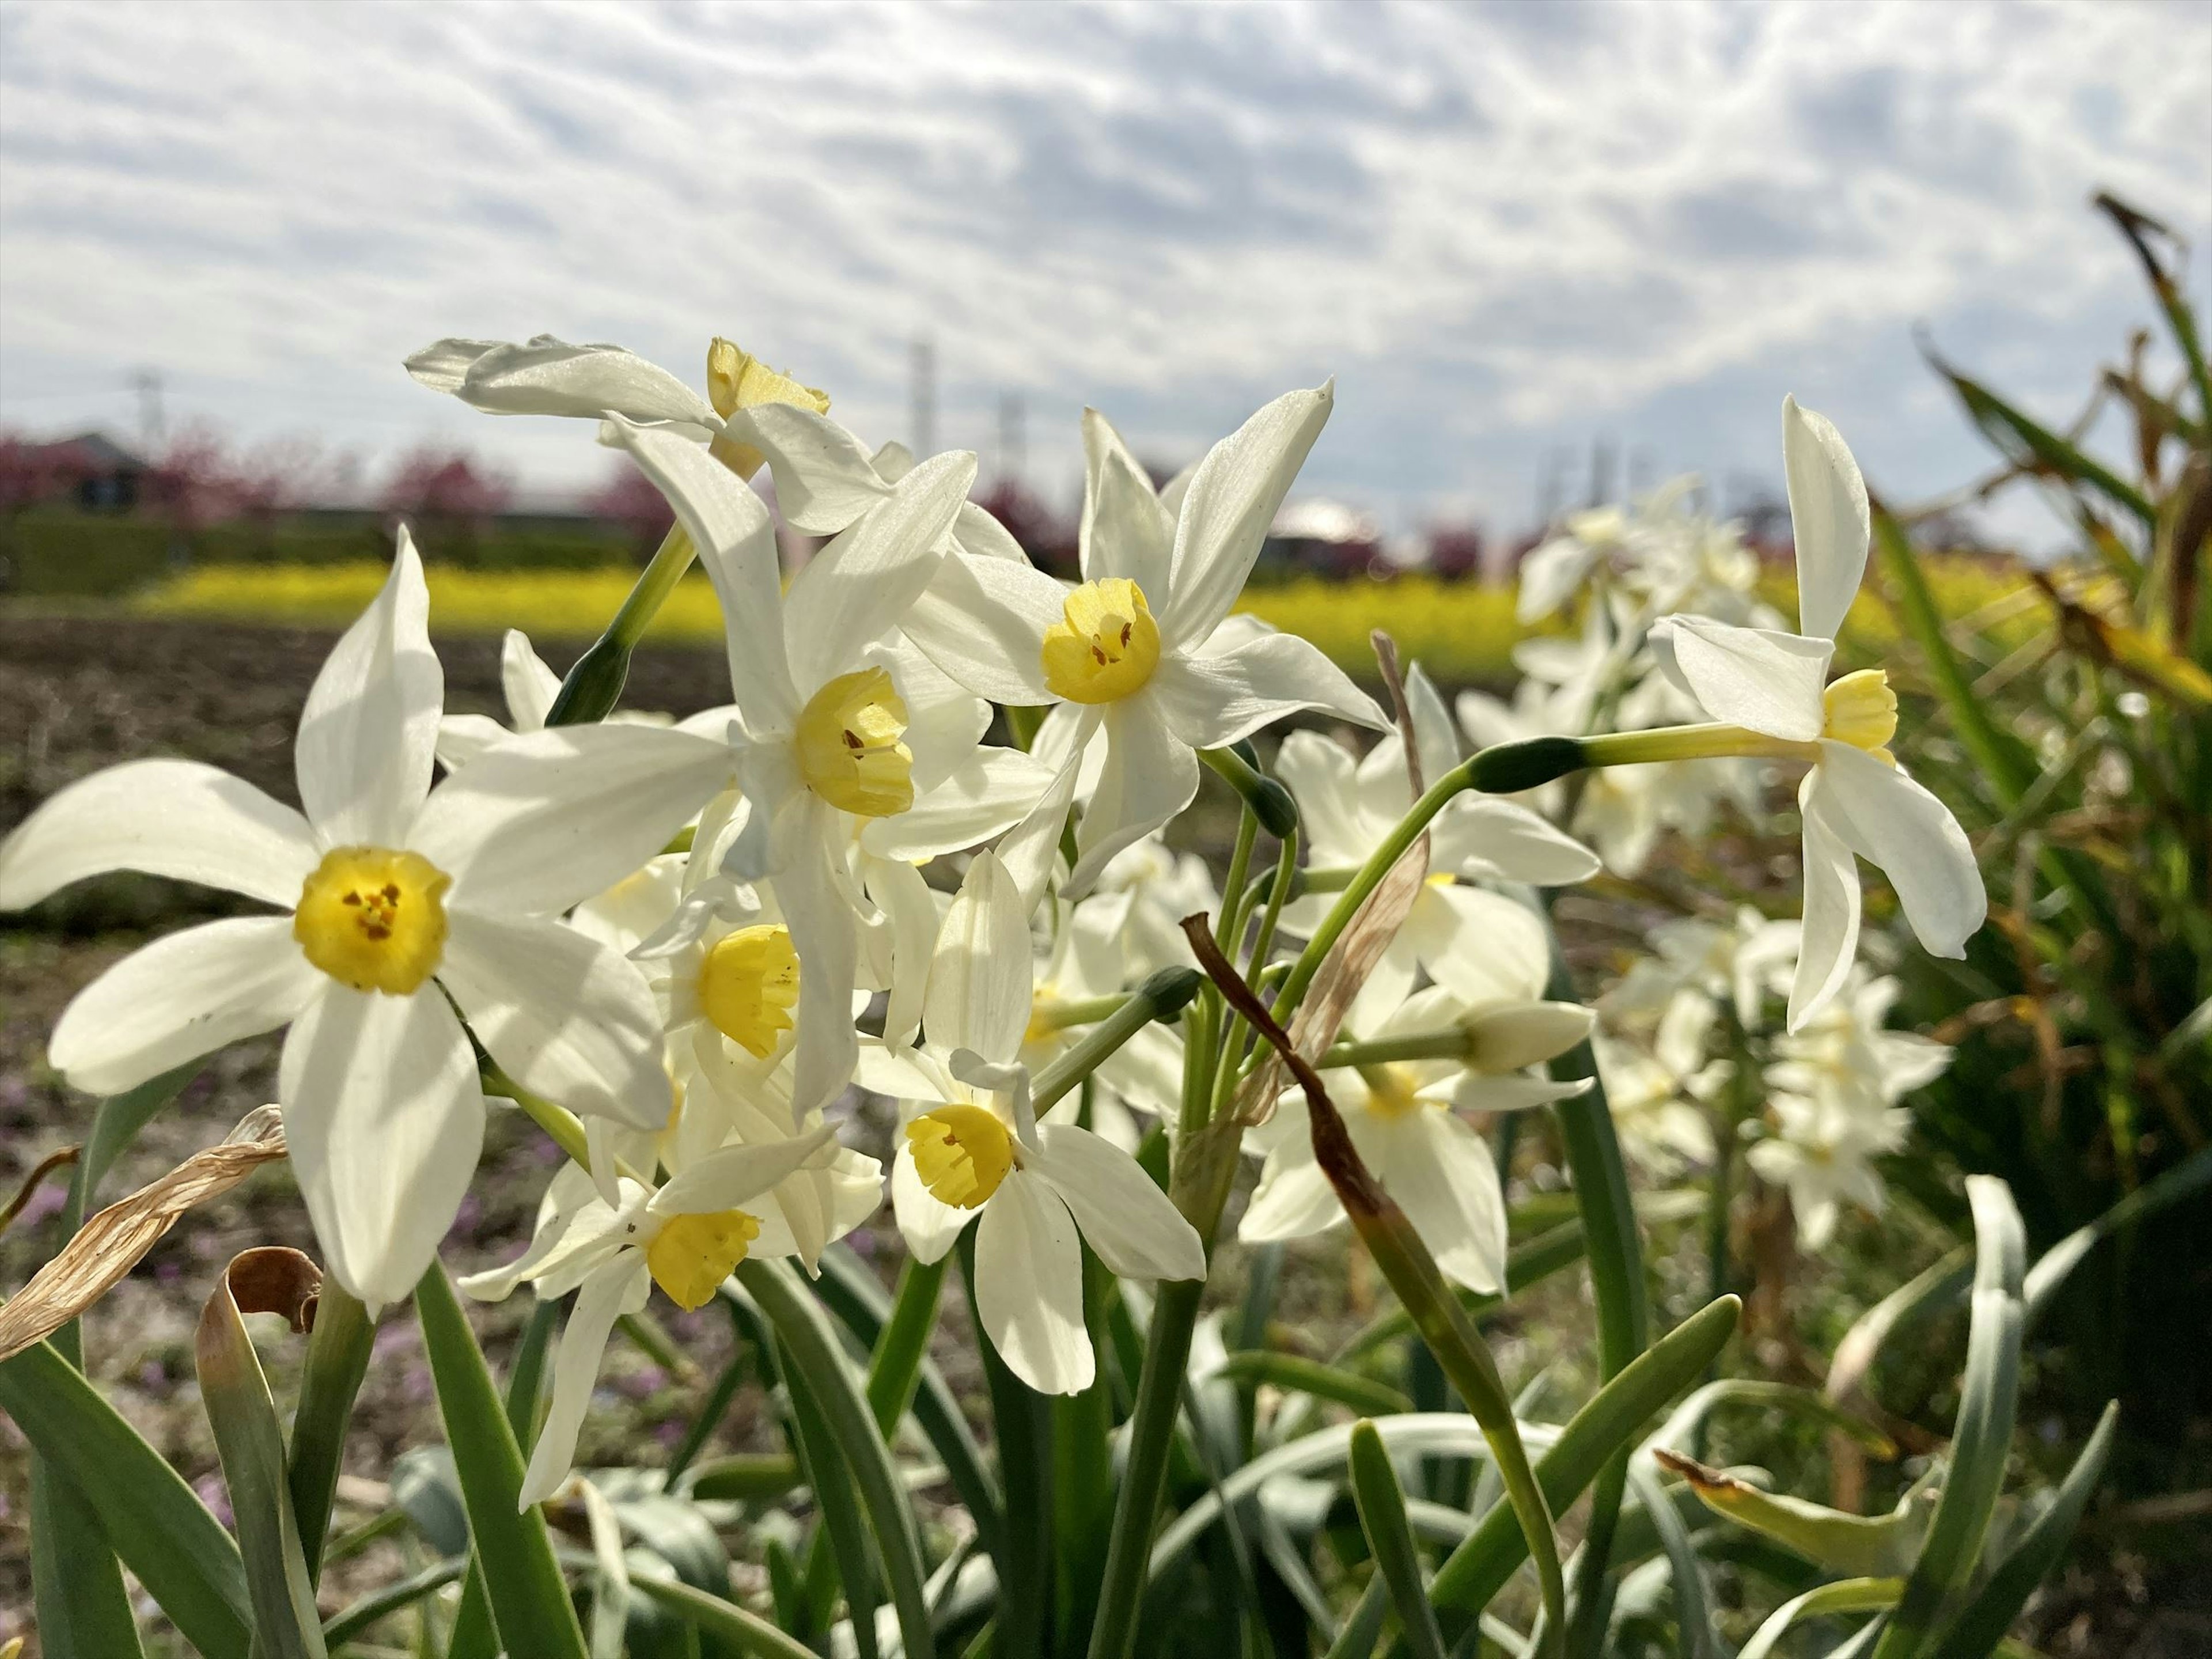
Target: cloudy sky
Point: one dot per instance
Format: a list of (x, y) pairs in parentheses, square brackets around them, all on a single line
[(1511, 231)]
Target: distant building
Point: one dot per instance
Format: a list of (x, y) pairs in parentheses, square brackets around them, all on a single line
[(91, 469)]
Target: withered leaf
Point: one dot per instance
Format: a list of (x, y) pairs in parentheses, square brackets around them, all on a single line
[(111, 1243)]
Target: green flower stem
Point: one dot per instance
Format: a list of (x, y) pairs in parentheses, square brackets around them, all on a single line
[(1082, 1011), (1708, 741), (594, 684), (1454, 1044), (1162, 996)]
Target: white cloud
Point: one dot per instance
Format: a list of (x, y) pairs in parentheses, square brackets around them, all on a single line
[(1505, 229)]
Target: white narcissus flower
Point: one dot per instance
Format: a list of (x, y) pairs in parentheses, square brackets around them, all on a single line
[(405, 903), (546, 376), (1772, 687), (1403, 1115), (686, 1236), (972, 1145), (1132, 652), (838, 729)]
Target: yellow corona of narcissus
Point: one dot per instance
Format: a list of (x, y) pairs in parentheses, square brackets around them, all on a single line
[(373, 918), (1106, 644), (1860, 709), (852, 751), (692, 1254), (737, 379), (962, 1153), (748, 985)]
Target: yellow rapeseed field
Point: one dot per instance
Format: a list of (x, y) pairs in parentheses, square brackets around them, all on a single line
[(1459, 630)]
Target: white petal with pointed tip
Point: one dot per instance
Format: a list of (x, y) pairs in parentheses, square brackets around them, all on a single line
[(166, 818), (1136, 1232), (563, 1015), (929, 1224), (1210, 702), (1499, 840), (1754, 677), (619, 1285), (1895, 824), (855, 590), (736, 541), (983, 622), (368, 734), (1442, 1174), (824, 478), (824, 932), (1028, 1287), (979, 976), (1828, 940), (1828, 519), (1231, 499), (548, 819), (183, 996), (384, 1121), (1150, 775), (731, 1177), (1123, 531)]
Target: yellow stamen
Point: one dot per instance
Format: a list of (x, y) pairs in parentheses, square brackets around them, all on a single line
[(1862, 711), (373, 918), (1106, 645), (748, 985), (849, 745), (962, 1153), (737, 379), (692, 1254)]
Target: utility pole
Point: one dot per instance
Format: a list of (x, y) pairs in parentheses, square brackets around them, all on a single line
[(146, 382), (1013, 441), (924, 391)]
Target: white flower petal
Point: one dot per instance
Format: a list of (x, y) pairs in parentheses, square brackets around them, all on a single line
[(183, 996), (564, 1016), (1751, 677), (1442, 1174), (824, 479), (1828, 941), (731, 1177), (983, 622), (1474, 1092), (1028, 1287), (369, 732), (730, 527), (825, 933), (546, 376), (1232, 499), (1293, 1199), (1212, 701), (979, 976), (1828, 519), (1319, 772), (1434, 739), (463, 737), (1495, 840), (618, 1285), (1150, 775), (529, 685), (1129, 1222), (897, 889), (1123, 531), (945, 721), (166, 818), (1491, 949), (857, 589), (567, 1196), (993, 791), (384, 1120), (977, 535), (1893, 822), (1031, 850), (547, 820), (929, 1224)]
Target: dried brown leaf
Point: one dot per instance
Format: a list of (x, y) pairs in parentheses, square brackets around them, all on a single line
[(111, 1243)]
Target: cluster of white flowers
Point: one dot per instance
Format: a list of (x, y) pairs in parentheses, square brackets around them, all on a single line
[(1626, 568), (696, 935)]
